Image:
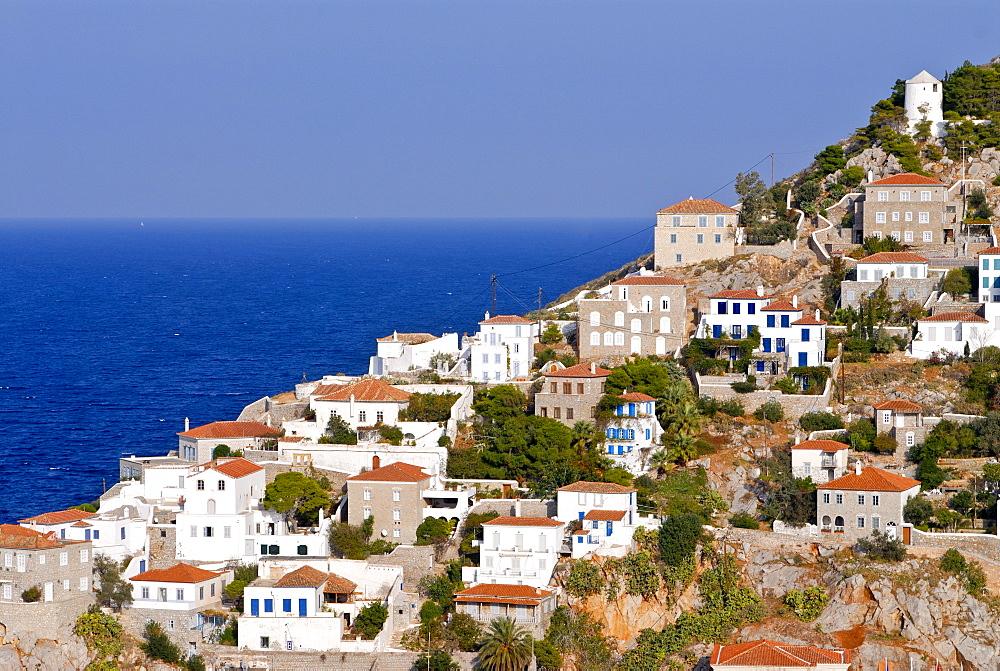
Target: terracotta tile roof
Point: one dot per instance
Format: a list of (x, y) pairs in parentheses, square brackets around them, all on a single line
[(336, 584), (507, 319), (232, 430), (394, 472), (646, 280), (304, 576), (636, 397), (824, 445), (324, 389), (955, 317), (370, 390), (596, 488), (808, 321), (59, 517), (511, 521), (770, 654), (291, 439), (408, 338), (781, 306), (177, 573), (580, 370), (741, 293), (989, 250), (519, 594), (698, 206), (871, 480), (235, 468), (81, 523), (893, 257), (898, 404), (605, 515), (13, 536), (906, 179)]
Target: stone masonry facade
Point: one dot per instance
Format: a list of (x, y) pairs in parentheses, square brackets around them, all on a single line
[(62, 572), (396, 506), (885, 213), (652, 320), (570, 399), (856, 514), (915, 290)]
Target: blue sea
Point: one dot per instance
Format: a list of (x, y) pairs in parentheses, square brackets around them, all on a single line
[(113, 332)]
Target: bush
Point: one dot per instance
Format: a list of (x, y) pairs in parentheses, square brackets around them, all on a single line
[(430, 611), (744, 520), (551, 335), (436, 660), (221, 451), (733, 408), (820, 421), (746, 387), (370, 619), (444, 441), (31, 595), (158, 645), (880, 547), (771, 411), (433, 530), (102, 633), (787, 385), (807, 604), (678, 538), (392, 434), (584, 579), (953, 561)]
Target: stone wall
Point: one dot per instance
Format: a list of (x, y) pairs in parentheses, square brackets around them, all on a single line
[(273, 414), (416, 560), (794, 405), (758, 539), (911, 289), (783, 250), (39, 635), (224, 657), (162, 543), (982, 546)]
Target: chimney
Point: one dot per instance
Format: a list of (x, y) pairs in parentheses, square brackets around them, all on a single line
[(795, 301), (487, 317), (760, 290), (517, 507), (593, 368), (857, 467), (375, 461), (187, 424), (871, 176), (350, 411), (817, 314)]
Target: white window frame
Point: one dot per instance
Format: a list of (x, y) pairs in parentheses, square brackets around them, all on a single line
[(904, 196), (880, 217), (925, 196), (883, 196), (924, 217), (928, 236)]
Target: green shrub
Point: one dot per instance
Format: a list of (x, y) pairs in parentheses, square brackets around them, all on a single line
[(733, 408), (433, 530), (953, 561), (743, 520), (745, 387), (551, 335), (392, 434), (158, 645), (678, 538), (31, 595), (787, 385), (584, 579), (430, 611), (444, 441), (807, 604), (883, 548), (820, 421), (102, 633), (771, 411), (370, 619)]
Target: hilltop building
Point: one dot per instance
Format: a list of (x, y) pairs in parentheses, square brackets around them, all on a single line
[(61, 568), (821, 460), (869, 499), (905, 275), (914, 209), (517, 550), (404, 352), (361, 404), (695, 230), (633, 432), (502, 350), (924, 97), (196, 444)]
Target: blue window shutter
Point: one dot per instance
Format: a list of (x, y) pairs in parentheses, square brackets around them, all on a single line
[(86, 534), (986, 264), (805, 335), (986, 283), (751, 308), (767, 344), (784, 321), (760, 366), (255, 607), (717, 331), (268, 605), (609, 528), (579, 539), (803, 359), (580, 515), (770, 321), (286, 605)]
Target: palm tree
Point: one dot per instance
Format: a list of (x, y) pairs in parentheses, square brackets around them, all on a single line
[(684, 419), (660, 460), (506, 647), (682, 449)]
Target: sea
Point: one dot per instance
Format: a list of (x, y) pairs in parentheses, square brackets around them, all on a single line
[(112, 332)]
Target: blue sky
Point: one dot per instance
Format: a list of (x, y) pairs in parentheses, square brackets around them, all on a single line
[(439, 109)]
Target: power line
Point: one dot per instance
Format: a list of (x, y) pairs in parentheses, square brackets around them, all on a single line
[(576, 256), (733, 180)]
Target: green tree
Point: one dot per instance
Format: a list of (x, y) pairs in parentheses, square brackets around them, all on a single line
[(158, 645), (391, 434), (831, 159), (852, 176), (466, 631), (956, 282), (807, 194), (370, 619), (506, 647), (296, 496), (679, 537), (820, 421), (878, 545), (428, 407), (753, 198), (112, 591), (338, 432), (433, 531), (547, 656), (102, 633), (807, 604), (918, 511), (552, 334), (436, 660), (577, 634), (991, 474), (682, 448), (221, 450), (930, 474)]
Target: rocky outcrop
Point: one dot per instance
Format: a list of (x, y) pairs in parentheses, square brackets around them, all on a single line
[(873, 160), (23, 650)]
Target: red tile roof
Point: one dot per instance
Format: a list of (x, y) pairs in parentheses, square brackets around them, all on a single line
[(596, 488), (740, 293), (636, 397), (13, 536), (808, 321), (511, 521), (520, 594), (605, 515), (394, 472), (59, 517), (698, 206), (898, 404), (507, 319), (304, 576), (370, 390), (871, 480), (580, 370), (989, 250), (824, 445), (906, 179), (81, 523), (781, 306), (647, 280), (955, 317), (234, 468), (770, 654), (893, 257), (336, 584), (232, 430), (291, 439), (177, 573)]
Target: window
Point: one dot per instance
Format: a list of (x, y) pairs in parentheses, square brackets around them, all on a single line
[(861, 521), (201, 484), (895, 235), (595, 318), (635, 326), (145, 592), (595, 339), (720, 221), (486, 358), (22, 561), (676, 220), (875, 499), (268, 605), (367, 494), (208, 532), (63, 559), (908, 217), (395, 495), (579, 387), (227, 532), (265, 642), (700, 239), (180, 594), (569, 413), (736, 308), (780, 344), (861, 499), (702, 221), (395, 533), (785, 321), (362, 415), (83, 556), (194, 532), (567, 387), (770, 321), (161, 594), (723, 308), (839, 499), (904, 196), (557, 413), (986, 264), (66, 585), (862, 275), (826, 498), (925, 196), (895, 216), (609, 339), (677, 258), (379, 416), (8, 591), (996, 264), (673, 238), (619, 319), (908, 236), (122, 530), (805, 335), (886, 416), (222, 485), (928, 236), (877, 234), (880, 217), (619, 338), (286, 605), (395, 514), (718, 238), (950, 209), (925, 217), (496, 358), (883, 196), (366, 513), (664, 324), (737, 331), (212, 589)]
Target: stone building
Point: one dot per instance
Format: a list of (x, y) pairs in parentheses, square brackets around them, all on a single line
[(391, 495), (901, 419), (641, 314), (821, 460), (866, 500), (923, 101), (695, 230), (530, 607), (905, 275), (571, 395), (60, 568), (911, 208), (185, 600)]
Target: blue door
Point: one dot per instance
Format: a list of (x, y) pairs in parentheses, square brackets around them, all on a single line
[(580, 516), (803, 359), (717, 331), (609, 528), (86, 534), (255, 607), (302, 607), (767, 344)]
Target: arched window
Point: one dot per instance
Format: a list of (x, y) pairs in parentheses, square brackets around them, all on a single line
[(647, 304), (211, 506), (665, 304), (619, 338), (609, 339), (619, 319), (636, 346), (664, 324), (661, 346), (595, 318), (636, 325), (595, 338)]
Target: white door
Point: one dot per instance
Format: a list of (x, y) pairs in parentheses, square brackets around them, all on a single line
[(636, 345), (48, 591)]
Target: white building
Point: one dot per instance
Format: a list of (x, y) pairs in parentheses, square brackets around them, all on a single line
[(177, 597), (198, 443), (900, 265), (402, 352), (118, 532), (608, 515), (518, 551), (950, 332), (633, 431), (361, 404), (311, 605), (923, 100), (989, 275), (502, 350), (821, 460)]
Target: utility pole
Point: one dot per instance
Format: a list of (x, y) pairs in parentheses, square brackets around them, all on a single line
[(539, 299), (963, 182), (772, 168), (493, 290)]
